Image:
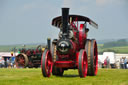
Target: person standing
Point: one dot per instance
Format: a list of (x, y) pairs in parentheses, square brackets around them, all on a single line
[(3, 62), (125, 63), (12, 61), (8, 62), (122, 63), (108, 62), (105, 63)]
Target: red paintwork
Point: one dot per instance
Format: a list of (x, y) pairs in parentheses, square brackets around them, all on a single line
[(48, 63), (71, 59), (65, 64), (82, 36)]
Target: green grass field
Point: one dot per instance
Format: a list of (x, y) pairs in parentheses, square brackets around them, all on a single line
[(71, 77)]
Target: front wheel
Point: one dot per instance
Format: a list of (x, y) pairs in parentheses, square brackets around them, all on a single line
[(82, 63), (46, 63)]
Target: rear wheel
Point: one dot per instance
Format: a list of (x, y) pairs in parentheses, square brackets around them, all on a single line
[(56, 71), (82, 63), (21, 60), (46, 63), (92, 56)]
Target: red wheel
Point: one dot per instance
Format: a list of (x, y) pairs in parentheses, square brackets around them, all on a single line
[(82, 63), (92, 54), (46, 63), (21, 60)]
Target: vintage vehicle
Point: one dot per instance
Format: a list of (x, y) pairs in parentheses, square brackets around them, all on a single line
[(72, 50), (29, 57)]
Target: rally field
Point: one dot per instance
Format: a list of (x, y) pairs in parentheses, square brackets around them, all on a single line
[(34, 77)]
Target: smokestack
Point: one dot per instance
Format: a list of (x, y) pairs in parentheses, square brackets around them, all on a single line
[(65, 17), (49, 43)]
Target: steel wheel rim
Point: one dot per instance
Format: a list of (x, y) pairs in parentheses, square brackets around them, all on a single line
[(21, 61), (82, 63), (46, 63), (95, 58), (92, 54)]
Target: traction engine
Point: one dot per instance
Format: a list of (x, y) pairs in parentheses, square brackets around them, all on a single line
[(72, 50), (29, 58)]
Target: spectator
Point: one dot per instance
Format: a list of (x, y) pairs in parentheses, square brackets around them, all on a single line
[(118, 64), (8, 62), (105, 63), (99, 64), (108, 61), (122, 63), (125, 63), (3, 62), (12, 61)]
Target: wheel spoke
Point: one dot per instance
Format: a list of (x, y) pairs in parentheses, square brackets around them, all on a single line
[(49, 62)]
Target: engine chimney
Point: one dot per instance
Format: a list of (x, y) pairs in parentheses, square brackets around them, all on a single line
[(65, 17)]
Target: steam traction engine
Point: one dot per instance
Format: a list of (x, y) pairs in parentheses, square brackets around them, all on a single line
[(29, 58), (72, 50)]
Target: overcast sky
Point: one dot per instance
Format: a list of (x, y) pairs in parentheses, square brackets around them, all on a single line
[(29, 21)]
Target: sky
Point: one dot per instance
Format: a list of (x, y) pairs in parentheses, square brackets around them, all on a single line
[(29, 21)]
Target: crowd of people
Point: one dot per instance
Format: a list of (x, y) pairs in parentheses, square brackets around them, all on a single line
[(123, 63), (6, 63)]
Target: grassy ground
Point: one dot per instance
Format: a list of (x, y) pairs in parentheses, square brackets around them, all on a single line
[(34, 77)]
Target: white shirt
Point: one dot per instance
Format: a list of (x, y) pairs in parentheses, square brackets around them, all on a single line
[(3, 61)]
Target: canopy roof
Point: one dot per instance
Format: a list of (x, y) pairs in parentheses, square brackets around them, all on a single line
[(57, 20)]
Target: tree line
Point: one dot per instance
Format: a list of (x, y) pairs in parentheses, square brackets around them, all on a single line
[(118, 43)]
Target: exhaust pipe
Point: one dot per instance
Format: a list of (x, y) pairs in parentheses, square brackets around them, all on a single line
[(49, 43), (65, 17)]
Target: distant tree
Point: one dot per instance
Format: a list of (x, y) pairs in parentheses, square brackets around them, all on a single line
[(121, 42)]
